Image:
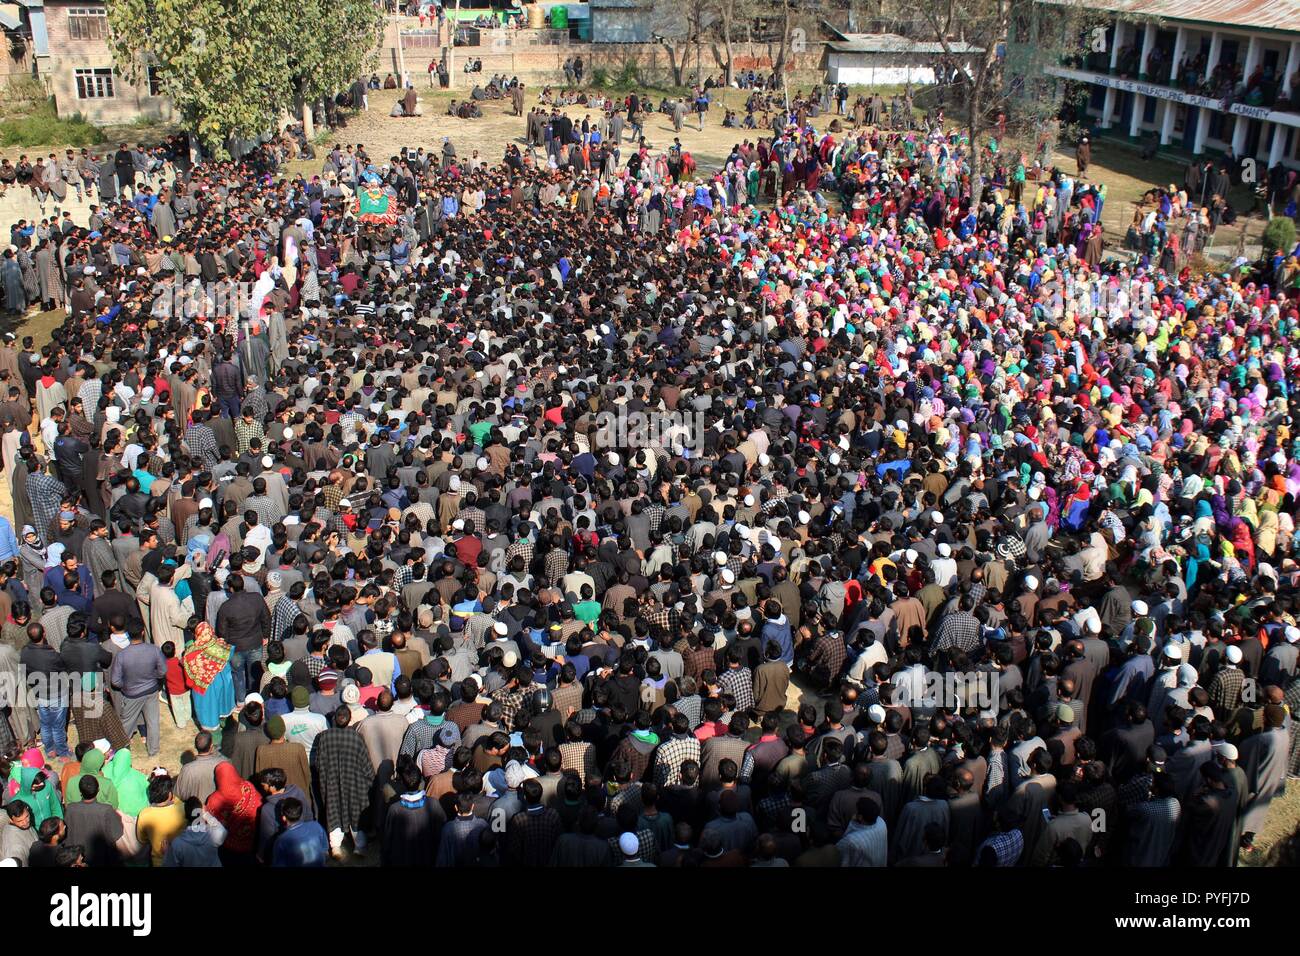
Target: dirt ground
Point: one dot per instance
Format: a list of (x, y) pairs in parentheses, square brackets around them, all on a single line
[(1126, 176), (383, 135)]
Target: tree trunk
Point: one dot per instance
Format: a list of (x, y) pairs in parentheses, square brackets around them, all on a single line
[(787, 22), (451, 48), (727, 25), (677, 67), (308, 126)]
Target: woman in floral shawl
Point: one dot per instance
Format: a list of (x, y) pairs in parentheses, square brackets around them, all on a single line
[(235, 804), (207, 671)]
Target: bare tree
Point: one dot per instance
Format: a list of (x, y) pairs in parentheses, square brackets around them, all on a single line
[(787, 33), (726, 30), (983, 24), (671, 29)]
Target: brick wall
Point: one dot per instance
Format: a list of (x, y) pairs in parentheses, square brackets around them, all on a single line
[(68, 55), (541, 64)]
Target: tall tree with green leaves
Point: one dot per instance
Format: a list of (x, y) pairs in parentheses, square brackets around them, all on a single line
[(232, 68), (340, 41), (217, 60)]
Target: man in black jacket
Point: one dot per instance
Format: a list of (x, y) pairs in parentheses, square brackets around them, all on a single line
[(112, 601), (228, 386), (79, 654), (47, 682), (245, 624)]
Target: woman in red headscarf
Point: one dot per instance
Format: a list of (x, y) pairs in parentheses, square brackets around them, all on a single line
[(235, 804)]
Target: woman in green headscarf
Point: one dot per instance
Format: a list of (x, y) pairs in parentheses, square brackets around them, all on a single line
[(38, 791), (132, 786), (91, 766)]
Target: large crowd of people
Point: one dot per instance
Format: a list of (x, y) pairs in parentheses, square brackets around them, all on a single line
[(964, 545)]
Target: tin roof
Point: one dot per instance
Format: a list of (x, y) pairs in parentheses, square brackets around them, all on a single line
[(894, 43), (1282, 15)]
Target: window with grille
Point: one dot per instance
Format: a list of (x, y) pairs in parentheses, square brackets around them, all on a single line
[(87, 23), (94, 84), (155, 82)]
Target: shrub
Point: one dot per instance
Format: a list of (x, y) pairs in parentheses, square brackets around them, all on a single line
[(42, 127), (1279, 235)]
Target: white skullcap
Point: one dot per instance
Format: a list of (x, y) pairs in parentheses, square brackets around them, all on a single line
[(1031, 582), (206, 503), (1094, 625), (501, 628), (515, 774), (1173, 650), (804, 517), (288, 434), (1292, 633), (719, 557), (764, 460), (1140, 608), (267, 461), (728, 576), (946, 551), (510, 659), (749, 501), (910, 554), (1233, 654), (1225, 750), (629, 844), (936, 517), (876, 714)]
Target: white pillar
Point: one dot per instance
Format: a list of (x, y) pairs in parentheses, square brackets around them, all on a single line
[(1202, 129), (1278, 144), (1116, 44), (1167, 122), (1108, 107), (1292, 64), (1148, 44), (1253, 51), (1135, 121), (1216, 51), (1180, 48), (1239, 129)]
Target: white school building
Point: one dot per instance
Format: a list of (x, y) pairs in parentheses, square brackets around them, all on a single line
[(1203, 75)]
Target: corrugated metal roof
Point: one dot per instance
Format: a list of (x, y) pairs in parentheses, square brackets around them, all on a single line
[(893, 43), (8, 21), (1283, 15)]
